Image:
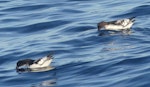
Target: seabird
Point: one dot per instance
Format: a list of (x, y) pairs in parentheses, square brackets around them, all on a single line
[(34, 64), (118, 25)]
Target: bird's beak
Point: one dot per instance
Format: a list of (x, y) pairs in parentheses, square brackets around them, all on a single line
[(50, 57)]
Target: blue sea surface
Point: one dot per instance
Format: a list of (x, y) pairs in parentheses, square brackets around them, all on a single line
[(68, 29)]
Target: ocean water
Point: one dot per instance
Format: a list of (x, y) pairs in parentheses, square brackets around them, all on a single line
[(68, 28)]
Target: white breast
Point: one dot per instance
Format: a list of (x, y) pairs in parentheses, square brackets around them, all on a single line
[(126, 24), (113, 27)]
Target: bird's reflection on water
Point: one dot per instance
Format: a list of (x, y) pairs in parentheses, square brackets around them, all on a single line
[(50, 81), (46, 83), (111, 32)]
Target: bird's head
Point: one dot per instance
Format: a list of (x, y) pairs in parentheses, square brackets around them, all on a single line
[(24, 62), (101, 25)]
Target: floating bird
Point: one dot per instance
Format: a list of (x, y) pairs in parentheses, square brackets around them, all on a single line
[(34, 64), (118, 25)]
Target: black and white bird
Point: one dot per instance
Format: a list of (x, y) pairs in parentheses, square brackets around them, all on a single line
[(34, 64), (118, 25)]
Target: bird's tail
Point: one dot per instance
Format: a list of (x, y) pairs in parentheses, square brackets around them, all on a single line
[(132, 19), (50, 55)]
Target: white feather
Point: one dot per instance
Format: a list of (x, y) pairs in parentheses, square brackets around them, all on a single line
[(44, 62), (120, 25)]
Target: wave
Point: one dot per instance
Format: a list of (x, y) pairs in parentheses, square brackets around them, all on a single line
[(142, 10), (35, 27)]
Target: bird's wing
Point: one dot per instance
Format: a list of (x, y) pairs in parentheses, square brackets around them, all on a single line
[(116, 22), (123, 22), (36, 61)]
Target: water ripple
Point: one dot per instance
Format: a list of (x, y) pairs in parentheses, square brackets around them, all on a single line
[(68, 29), (26, 8), (35, 27), (137, 11)]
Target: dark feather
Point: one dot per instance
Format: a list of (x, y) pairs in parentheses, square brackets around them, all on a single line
[(37, 61), (25, 62)]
